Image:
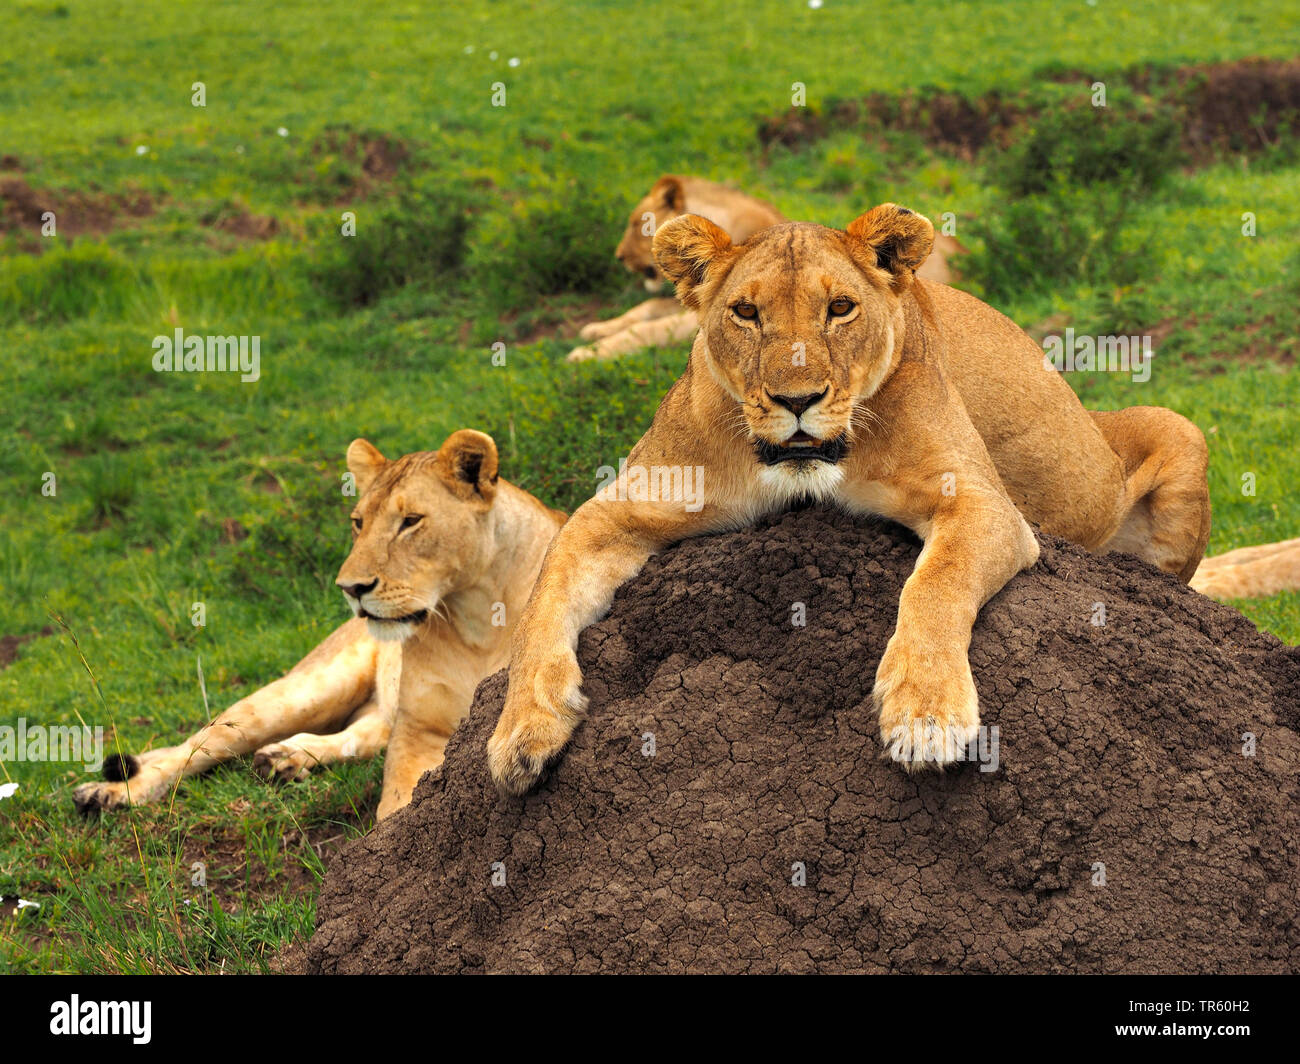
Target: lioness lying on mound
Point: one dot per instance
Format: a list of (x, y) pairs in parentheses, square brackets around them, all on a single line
[(824, 369), (663, 320), (444, 556)]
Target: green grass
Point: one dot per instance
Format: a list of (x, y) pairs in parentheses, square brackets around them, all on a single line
[(475, 225)]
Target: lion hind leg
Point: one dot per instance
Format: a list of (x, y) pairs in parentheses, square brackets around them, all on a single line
[(1166, 502)]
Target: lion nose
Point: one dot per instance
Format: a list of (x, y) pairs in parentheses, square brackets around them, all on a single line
[(797, 404), (357, 590)]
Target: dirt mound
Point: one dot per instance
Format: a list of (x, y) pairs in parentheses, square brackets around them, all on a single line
[(725, 807), (237, 221), (1244, 106), (371, 159), (23, 208)]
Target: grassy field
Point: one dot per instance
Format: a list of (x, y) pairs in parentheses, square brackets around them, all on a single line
[(477, 224)]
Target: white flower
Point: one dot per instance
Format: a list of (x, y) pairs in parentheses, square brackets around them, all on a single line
[(814, 4), (469, 49), (7, 790), (23, 903), (514, 61), (492, 56), (282, 132), (239, 149), (142, 149)]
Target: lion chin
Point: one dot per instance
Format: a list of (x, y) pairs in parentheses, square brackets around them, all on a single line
[(802, 481), (395, 629)]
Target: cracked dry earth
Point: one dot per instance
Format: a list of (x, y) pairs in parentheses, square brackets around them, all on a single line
[(1118, 746)]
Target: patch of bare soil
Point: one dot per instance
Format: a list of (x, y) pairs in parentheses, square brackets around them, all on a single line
[(380, 157), (947, 121), (242, 223), (1243, 106), (1246, 106), (23, 210), (9, 645)]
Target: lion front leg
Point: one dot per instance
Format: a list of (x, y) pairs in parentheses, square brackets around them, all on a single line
[(296, 757), (602, 546), (658, 307), (924, 691), (654, 333)]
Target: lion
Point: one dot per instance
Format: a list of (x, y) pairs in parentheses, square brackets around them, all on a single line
[(825, 370), (444, 555), (662, 320), (1250, 572)]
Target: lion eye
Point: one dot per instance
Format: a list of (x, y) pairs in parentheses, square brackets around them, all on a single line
[(411, 520), (356, 523), (840, 306), (745, 310)]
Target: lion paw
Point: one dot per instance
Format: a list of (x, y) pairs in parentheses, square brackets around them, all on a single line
[(582, 354), (929, 712), (114, 791), (284, 762), (529, 736), (93, 797), (597, 330)]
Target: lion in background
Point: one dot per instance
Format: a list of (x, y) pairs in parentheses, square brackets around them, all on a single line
[(662, 319), (444, 556)]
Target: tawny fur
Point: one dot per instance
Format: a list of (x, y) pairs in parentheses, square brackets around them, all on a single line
[(662, 320), (464, 570), (954, 427), (1250, 572)]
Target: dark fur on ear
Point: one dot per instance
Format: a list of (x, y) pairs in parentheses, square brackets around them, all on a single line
[(670, 191), (694, 254), (896, 239), (467, 463)]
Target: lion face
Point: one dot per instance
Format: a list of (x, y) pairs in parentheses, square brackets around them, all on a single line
[(665, 201), (801, 323), (421, 530)]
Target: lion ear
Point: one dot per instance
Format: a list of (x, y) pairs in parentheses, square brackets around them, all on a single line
[(364, 463), (669, 192), (898, 240), (692, 251), (467, 464)]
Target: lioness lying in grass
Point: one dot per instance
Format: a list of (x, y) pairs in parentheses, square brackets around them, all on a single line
[(444, 556)]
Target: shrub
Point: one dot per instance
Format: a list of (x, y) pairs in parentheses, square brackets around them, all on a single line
[(558, 241), (1090, 146), (420, 234)]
